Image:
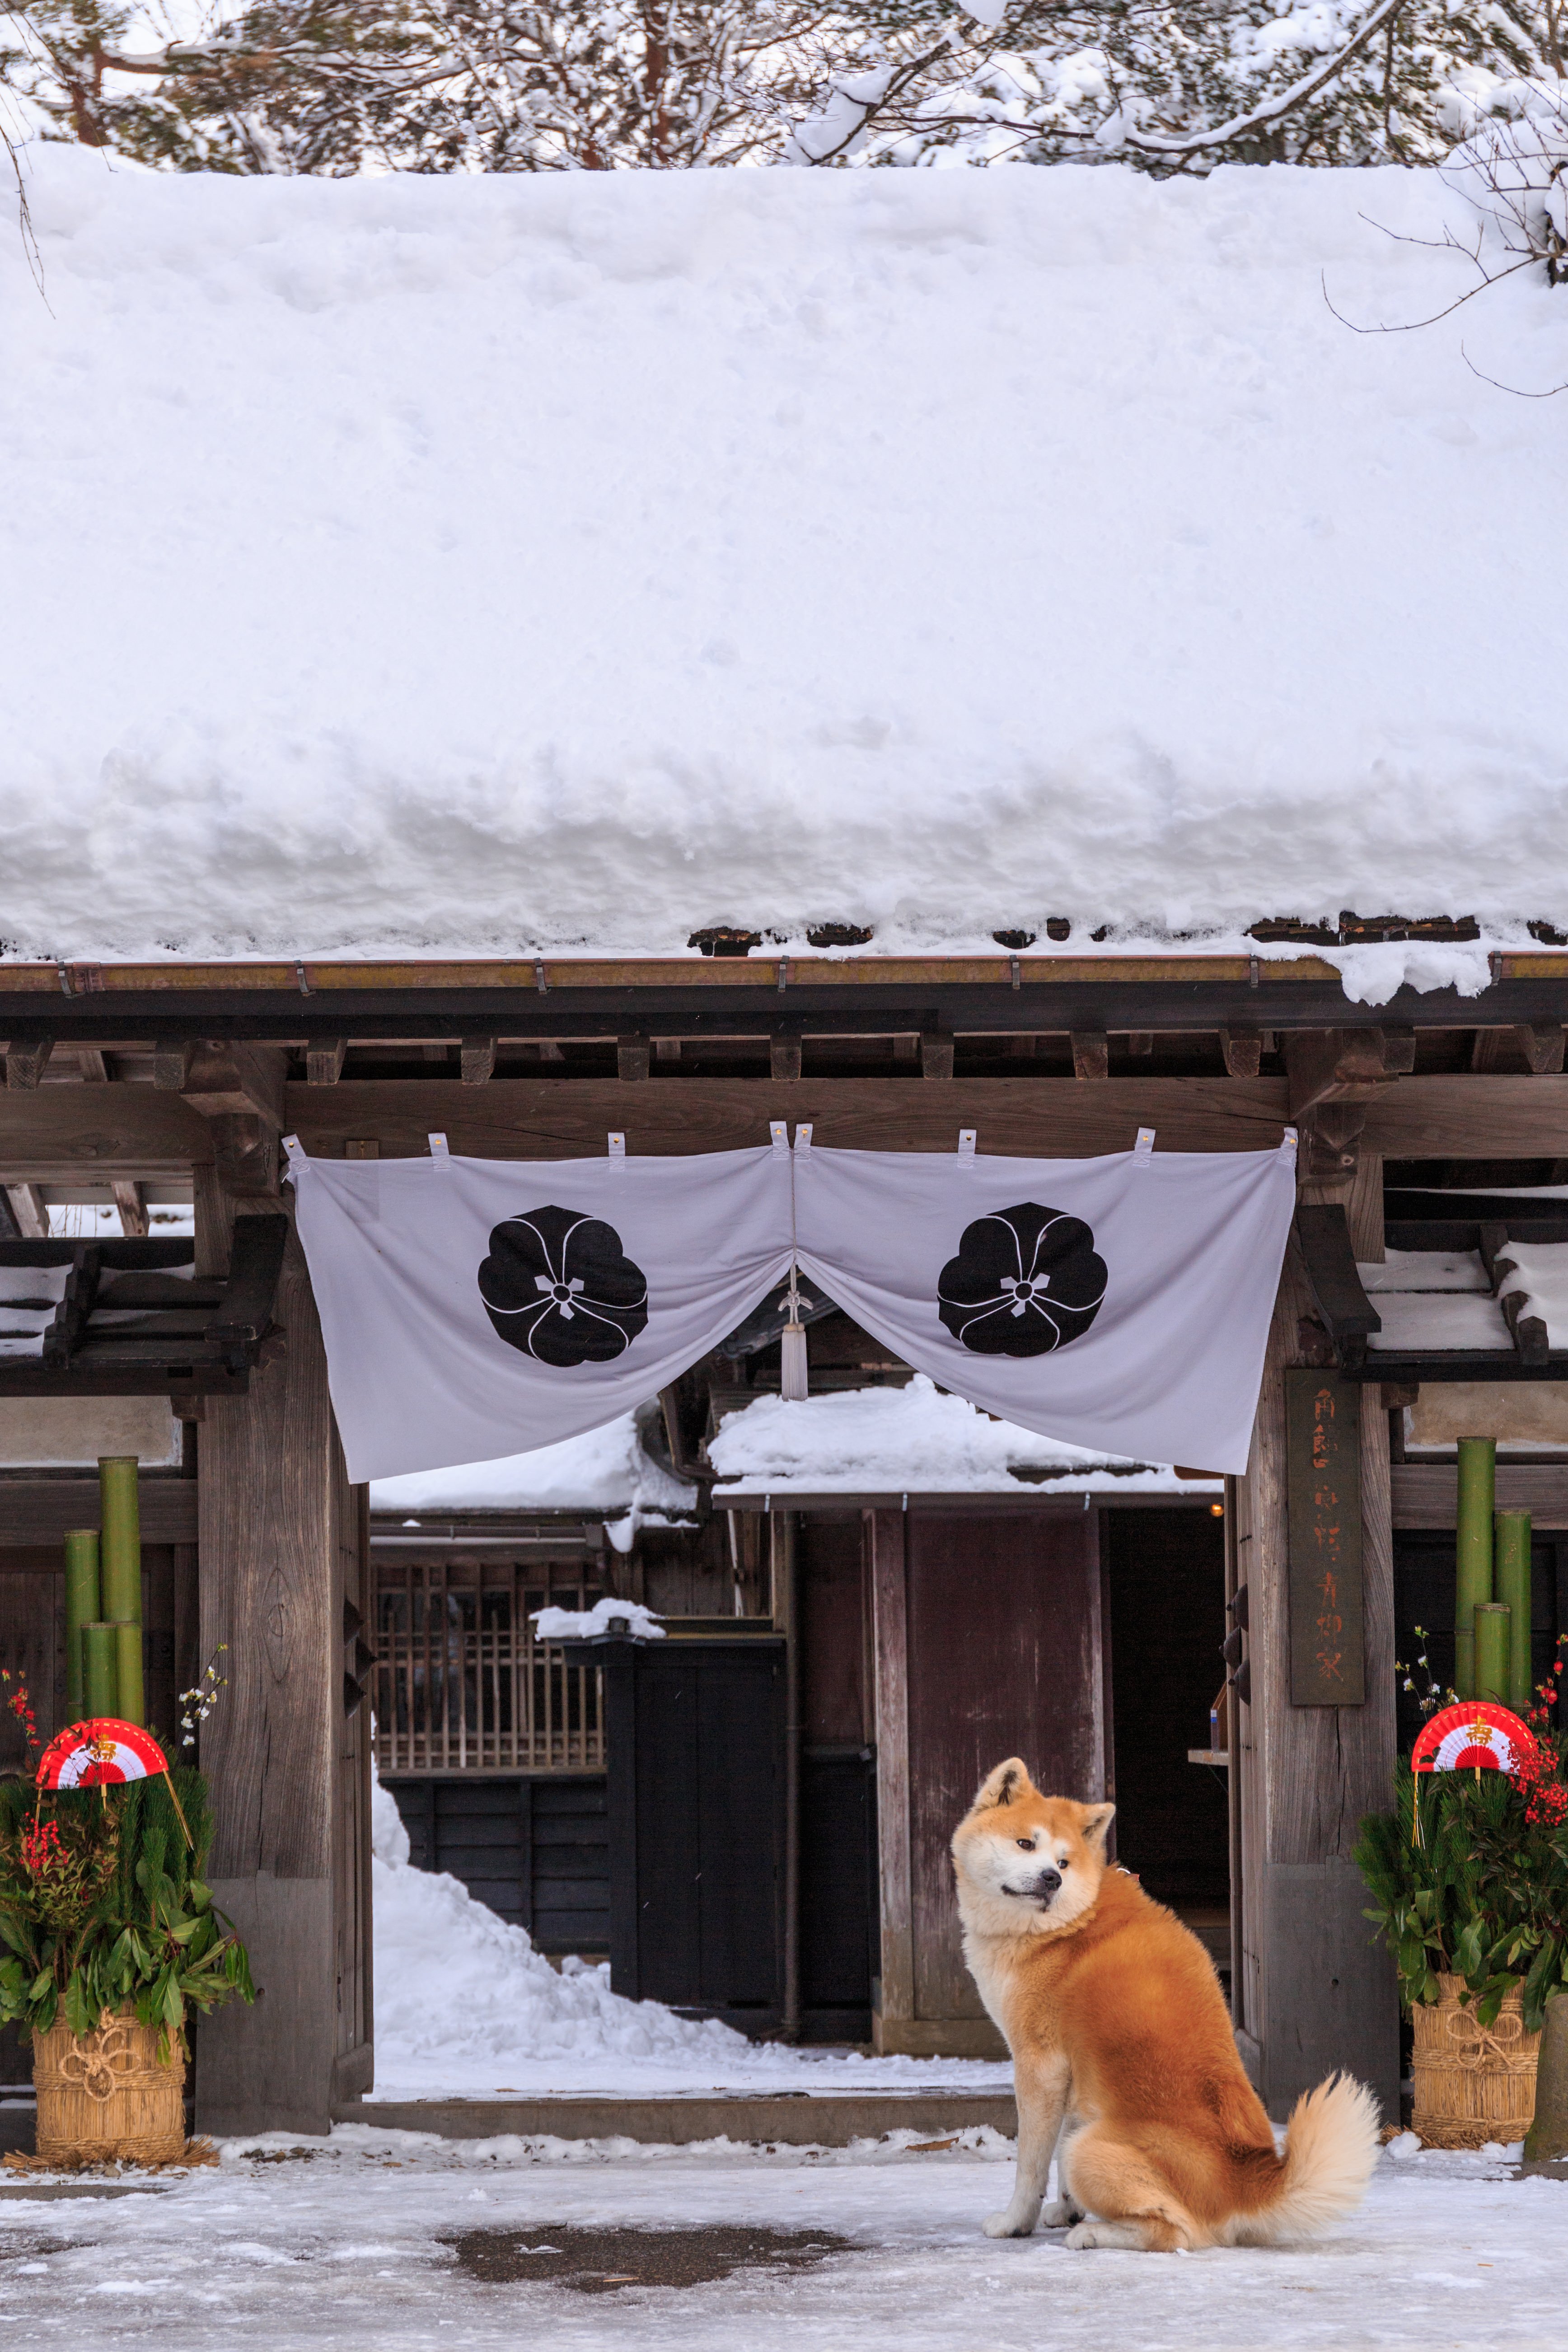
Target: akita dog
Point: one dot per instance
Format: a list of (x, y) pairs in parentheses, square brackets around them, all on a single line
[(1118, 2028)]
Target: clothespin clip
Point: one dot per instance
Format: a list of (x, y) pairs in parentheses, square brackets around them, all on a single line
[(966, 1139), (1143, 1150), (438, 1148)]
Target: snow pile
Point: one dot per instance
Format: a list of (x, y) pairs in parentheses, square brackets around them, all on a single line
[(917, 1439), (466, 2007), (575, 561), (582, 1624), (455, 1985), (606, 1471)]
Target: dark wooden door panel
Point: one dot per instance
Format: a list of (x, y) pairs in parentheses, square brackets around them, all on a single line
[(1004, 1660)]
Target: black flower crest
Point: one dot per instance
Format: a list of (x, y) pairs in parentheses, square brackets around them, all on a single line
[(558, 1285), (1025, 1280)]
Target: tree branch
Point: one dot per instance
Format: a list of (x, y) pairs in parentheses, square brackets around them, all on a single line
[(1238, 127)]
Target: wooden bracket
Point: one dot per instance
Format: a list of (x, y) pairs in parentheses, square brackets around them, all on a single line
[(936, 1054), (477, 1057), (784, 1058), (172, 1062), (324, 1058), (632, 1057), (1243, 1051), (1327, 1253), (1332, 1135), (26, 1063), (228, 1081), (1345, 1065), (1090, 1053), (1542, 1043)]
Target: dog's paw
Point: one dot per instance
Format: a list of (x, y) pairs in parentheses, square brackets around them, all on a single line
[(1083, 2237), (1007, 2225), (1061, 2214)]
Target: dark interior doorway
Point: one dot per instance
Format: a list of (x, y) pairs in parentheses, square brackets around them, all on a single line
[(1165, 1574)]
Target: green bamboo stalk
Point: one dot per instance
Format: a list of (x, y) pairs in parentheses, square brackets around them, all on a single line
[(83, 1603), (100, 1670), (1493, 1619), (121, 1551), (1510, 1537), (1473, 1552), (131, 1703)]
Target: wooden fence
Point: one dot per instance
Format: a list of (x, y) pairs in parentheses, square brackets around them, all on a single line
[(461, 1684)]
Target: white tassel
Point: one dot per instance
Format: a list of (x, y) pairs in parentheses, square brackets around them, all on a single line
[(794, 1383)]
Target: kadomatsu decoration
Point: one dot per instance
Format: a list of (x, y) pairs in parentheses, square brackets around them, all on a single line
[(1025, 1280), (104, 1903), (558, 1285)]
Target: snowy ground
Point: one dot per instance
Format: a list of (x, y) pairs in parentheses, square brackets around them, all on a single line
[(349, 2249), (465, 2007)]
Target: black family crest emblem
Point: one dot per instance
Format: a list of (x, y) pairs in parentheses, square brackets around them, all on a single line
[(1024, 1281), (558, 1286)]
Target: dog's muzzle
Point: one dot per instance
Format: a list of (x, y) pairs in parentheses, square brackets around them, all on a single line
[(1041, 1888)]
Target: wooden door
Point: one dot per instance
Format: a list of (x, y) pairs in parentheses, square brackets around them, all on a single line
[(1003, 1627)]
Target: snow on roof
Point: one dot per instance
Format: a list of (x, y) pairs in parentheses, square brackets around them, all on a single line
[(605, 1474), (579, 561), (911, 1440)]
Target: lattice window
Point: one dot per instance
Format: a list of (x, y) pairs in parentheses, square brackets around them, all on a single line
[(461, 1684)]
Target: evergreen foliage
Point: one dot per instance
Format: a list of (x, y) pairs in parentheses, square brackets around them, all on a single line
[(1484, 1896), (102, 1902)]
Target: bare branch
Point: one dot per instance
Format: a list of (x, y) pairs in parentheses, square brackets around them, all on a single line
[(1240, 126)]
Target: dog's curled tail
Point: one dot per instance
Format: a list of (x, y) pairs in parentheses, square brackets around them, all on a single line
[(1331, 2147)]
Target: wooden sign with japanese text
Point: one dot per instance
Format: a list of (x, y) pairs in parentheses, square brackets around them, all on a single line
[(1327, 1648)]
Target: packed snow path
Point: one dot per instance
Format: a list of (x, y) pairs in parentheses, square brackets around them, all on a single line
[(351, 2248)]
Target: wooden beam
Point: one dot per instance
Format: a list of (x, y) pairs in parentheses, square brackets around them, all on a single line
[(324, 1058), (131, 1204), (884, 1537), (632, 1059), (1471, 1115), (76, 1135), (28, 1212), (783, 1060), (1243, 1051), (1426, 1494), (1090, 1053), (543, 1119), (42, 1510), (26, 1063), (477, 1058)]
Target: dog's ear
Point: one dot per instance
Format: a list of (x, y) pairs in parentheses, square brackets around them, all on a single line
[(1005, 1785), (1096, 1820)]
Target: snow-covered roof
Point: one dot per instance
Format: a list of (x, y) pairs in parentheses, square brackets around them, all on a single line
[(581, 561), (605, 1474), (916, 1440)]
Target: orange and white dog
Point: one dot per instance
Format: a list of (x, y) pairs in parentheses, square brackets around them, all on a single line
[(1118, 2028)]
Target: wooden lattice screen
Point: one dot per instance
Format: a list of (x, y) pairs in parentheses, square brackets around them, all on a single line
[(461, 1684)]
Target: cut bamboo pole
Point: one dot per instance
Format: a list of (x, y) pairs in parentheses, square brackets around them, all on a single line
[(84, 1606), (131, 1698), (100, 1668), (1511, 1577), (1493, 1619), (121, 1575), (1473, 1552)]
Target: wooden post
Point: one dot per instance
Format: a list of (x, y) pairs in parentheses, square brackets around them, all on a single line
[(893, 2002), (1312, 1991), (282, 1534)]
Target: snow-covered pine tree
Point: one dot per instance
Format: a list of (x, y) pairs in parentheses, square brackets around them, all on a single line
[(336, 87)]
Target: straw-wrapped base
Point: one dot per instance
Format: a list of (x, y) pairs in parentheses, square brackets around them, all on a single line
[(1473, 2082), (109, 2095)]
